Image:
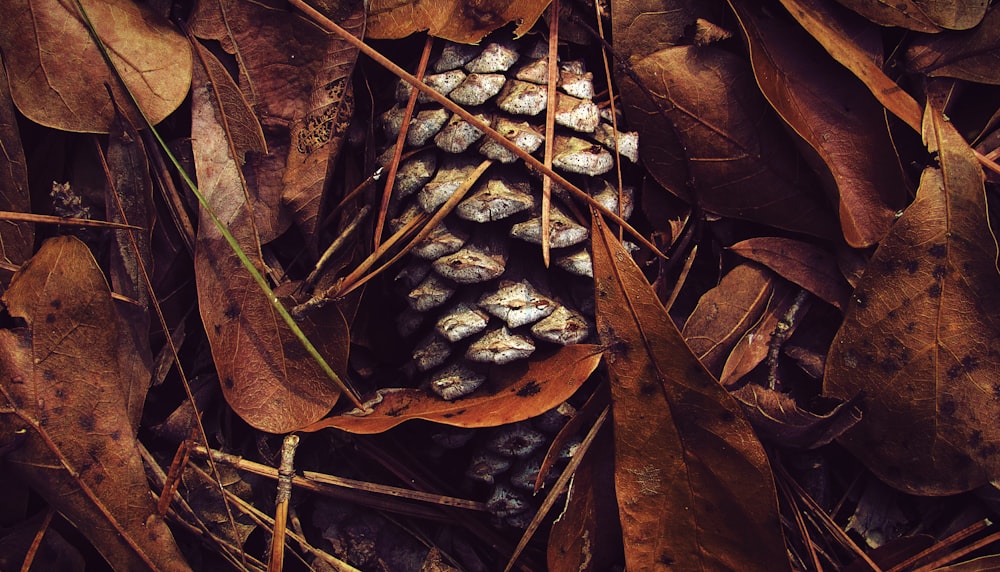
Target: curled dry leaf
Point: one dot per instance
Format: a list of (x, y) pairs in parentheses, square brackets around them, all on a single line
[(57, 74), (16, 238), (842, 125), (970, 55), (267, 377), (921, 15), (695, 489), (61, 382), (743, 164), (920, 335), (805, 264), (297, 79), (462, 21), (514, 393), (780, 420)]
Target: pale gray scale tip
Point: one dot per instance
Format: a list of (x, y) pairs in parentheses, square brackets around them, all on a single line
[(461, 321), (454, 56), (575, 155), (456, 381), (520, 134), (478, 88), (578, 114), (498, 198), (506, 501), (431, 293), (627, 142), (425, 125), (563, 326), (517, 304), (563, 231), (485, 466), (523, 98), (495, 57), (536, 71), (577, 262), (431, 352), (518, 440), (459, 135), (442, 241), (500, 346), (414, 173), (608, 197), (472, 264), (449, 177)]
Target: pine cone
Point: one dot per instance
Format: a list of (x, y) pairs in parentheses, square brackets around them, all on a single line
[(477, 291)]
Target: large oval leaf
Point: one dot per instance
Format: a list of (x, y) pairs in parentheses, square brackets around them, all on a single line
[(920, 335)]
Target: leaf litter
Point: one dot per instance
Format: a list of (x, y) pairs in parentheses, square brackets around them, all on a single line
[(849, 323)]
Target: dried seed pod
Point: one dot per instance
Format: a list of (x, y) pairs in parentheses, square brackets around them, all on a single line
[(520, 133), (523, 98), (477, 89), (519, 440), (506, 501), (443, 240), (500, 347), (563, 231), (454, 170), (432, 292), (461, 321), (495, 57), (517, 303), (579, 156), (485, 466), (459, 135), (481, 260), (495, 199), (431, 352), (563, 326), (454, 56), (456, 381), (576, 262)]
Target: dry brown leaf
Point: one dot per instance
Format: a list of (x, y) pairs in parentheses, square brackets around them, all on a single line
[(919, 338), (803, 263), (267, 377), (781, 421), (16, 238), (695, 489), (741, 161), (61, 382), (754, 345), (463, 21), (297, 79), (644, 27), (921, 15), (842, 125), (57, 74), (513, 393), (970, 55)]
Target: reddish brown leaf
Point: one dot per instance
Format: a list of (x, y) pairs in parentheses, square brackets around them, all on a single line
[(514, 393), (725, 313), (16, 238), (780, 420), (837, 31), (919, 337), (61, 382), (921, 15), (805, 264), (741, 161), (267, 377), (583, 537), (836, 116), (694, 486), (970, 55), (296, 78), (57, 75), (463, 21)]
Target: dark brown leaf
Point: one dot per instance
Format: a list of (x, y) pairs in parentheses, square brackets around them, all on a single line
[(267, 377), (841, 123), (694, 485), (16, 238), (805, 264), (463, 21), (514, 393), (970, 55), (741, 162), (781, 421), (296, 77), (919, 337), (921, 15), (61, 382), (57, 75)]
